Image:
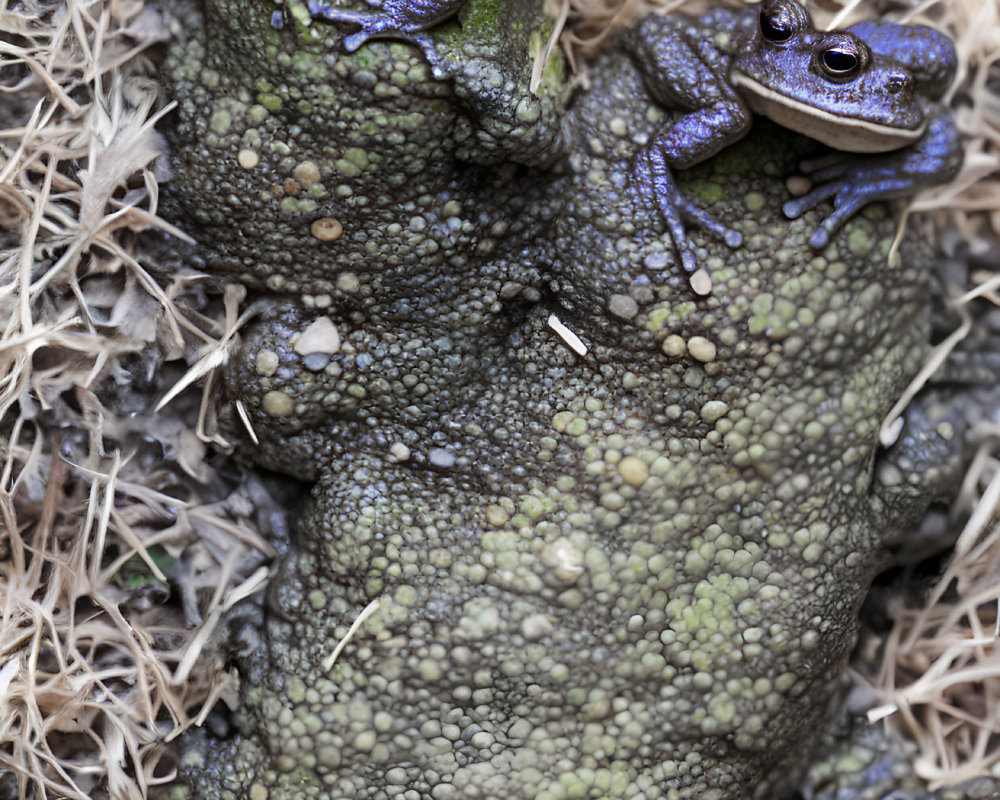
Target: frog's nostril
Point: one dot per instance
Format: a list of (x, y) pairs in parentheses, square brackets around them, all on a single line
[(898, 82)]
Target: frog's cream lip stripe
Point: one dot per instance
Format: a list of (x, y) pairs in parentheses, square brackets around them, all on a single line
[(835, 130)]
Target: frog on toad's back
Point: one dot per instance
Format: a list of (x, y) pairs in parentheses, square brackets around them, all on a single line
[(868, 89), (396, 19)]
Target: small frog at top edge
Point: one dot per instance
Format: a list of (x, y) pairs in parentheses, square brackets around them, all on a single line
[(395, 19), (871, 90)]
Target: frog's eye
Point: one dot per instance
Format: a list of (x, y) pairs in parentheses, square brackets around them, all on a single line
[(842, 58), (780, 21)]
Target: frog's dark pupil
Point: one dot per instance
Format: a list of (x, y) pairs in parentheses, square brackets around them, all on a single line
[(840, 60), (775, 26)]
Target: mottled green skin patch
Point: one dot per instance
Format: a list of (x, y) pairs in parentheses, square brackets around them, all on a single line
[(632, 573)]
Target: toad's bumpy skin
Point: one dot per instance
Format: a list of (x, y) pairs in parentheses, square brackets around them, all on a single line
[(630, 573)]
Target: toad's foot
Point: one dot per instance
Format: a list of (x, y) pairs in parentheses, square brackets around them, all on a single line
[(655, 182)]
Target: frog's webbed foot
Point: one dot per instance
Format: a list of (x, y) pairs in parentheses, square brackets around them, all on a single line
[(854, 181), (695, 215), (851, 184), (655, 181), (378, 25)]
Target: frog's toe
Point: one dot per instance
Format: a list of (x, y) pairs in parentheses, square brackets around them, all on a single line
[(793, 209), (655, 183), (846, 205), (819, 239), (827, 167), (377, 26), (688, 260), (702, 219), (426, 44), (834, 222), (353, 41), (369, 25), (318, 9)]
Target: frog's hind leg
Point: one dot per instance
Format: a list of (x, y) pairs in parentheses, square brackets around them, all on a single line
[(851, 191), (845, 207), (855, 181), (370, 24)]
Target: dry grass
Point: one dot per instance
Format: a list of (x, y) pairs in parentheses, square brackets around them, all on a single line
[(100, 498), (939, 672), (940, 669), (103, 498)]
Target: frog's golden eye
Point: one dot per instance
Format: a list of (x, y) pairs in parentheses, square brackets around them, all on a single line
[(780, 21), (842, 58)]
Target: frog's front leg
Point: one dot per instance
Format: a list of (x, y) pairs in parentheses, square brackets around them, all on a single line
[(395, 19), (854, 181), (683, 70), (656, 181)]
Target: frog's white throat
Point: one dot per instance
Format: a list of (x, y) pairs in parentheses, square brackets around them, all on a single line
[(837, 131)]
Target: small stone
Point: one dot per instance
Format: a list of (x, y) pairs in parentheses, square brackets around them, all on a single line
[(535, 626), (633, 471), (701, 283), (326, 229), (565, 560), (348, 282), (316, 362), (674, 346), (441, 457), (399, 451), (701, 349), (307, 174), (714, 410), (624, 306), (481, 740), (266, 363), (278, 404), (364, 741), (321, 336), (798, 185), (495, 515), (258, 792)]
